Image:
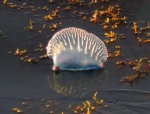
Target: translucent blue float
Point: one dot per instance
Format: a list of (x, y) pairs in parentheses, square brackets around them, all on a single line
[(76, 49)]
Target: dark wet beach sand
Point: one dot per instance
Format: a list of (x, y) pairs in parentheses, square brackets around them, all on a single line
[(45, 91)]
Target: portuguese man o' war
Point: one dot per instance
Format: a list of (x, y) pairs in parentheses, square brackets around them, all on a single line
[(76, 49)]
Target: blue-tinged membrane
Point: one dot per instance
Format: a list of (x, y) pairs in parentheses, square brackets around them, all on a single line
[(74, 60)]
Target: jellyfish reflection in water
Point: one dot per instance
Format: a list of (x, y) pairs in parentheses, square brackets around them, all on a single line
[(78, 84), (76, 49)]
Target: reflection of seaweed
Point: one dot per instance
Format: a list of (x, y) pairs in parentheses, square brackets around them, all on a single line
[(77, 83)]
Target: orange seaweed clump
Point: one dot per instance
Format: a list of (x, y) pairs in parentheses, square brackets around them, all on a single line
[(94, 1), (51, 1), (30, 25), (5, 2), (140, 67), (18, 52), (94, 18), (139, 41), (129, 79), (53, 27), (147, 69), (88, 106), (110, 34), (17, 110), (147, 41), (135, 27), (67, 8), (45, 8), (117, 53), (48, 17), (131, 63)]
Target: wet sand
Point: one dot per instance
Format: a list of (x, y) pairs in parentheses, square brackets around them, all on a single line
[(21, 81)]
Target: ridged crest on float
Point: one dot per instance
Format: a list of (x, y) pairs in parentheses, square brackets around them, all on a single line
[(77, 39)]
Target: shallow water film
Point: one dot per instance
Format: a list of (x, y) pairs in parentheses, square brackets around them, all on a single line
[(29, 86)]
